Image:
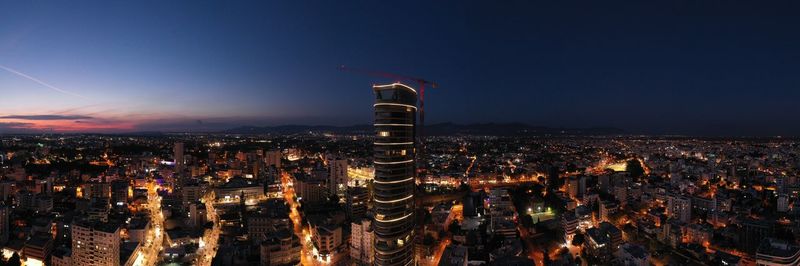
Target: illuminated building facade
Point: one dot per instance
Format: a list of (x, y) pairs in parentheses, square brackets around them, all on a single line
[(361, 238), (395, 172), (95, 244)]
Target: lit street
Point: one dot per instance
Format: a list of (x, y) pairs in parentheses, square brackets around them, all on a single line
[(153, 248), (306, 257)]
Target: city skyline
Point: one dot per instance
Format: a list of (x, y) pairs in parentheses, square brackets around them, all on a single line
[(678, 68), (298, 134)]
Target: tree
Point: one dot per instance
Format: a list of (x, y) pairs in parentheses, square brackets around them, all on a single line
[(14, 260), (454, 228), (527, 221), (553, 180), (428, 240), (578, 239), (495, 242), (546, 260), (428, 217), (634, 168)]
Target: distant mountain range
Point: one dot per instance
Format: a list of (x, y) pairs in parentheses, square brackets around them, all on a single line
[(487, 129)]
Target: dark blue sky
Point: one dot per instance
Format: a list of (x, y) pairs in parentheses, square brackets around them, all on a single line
[(689, 67)]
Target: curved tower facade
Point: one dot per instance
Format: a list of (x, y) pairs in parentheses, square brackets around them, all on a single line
[(395, 174)]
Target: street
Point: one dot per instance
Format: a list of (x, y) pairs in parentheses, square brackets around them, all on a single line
[(153, 247), (306, 254)]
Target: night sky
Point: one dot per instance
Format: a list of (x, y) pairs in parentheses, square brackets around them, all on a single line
[(674, 67)]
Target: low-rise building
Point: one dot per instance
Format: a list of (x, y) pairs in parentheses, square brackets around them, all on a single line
[(454, 255), (632, 255), (774, 252), (281, 247)]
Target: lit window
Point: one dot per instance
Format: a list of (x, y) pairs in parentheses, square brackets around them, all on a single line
[(383, 133)]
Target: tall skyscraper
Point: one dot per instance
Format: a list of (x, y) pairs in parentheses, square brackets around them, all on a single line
[(178, 150), (395, 172)]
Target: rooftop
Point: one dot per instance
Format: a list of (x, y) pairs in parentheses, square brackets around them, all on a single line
[(777, 248)]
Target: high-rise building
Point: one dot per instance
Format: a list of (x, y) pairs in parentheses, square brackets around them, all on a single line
[(310, 190), (679, 207), (361, 237), (570, 224), (753, 232), (95, 244), (44, 203), (357, 199), (25, 200), (572, 187), (96, 190), (603, 182), (179, 160), (337, 176), (119, 193), (191, 193), (395, 173), (613, 233)]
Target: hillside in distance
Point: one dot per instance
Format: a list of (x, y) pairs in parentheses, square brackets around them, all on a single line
[(441, 129)]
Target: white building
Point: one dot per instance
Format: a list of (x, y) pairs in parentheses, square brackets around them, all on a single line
[(95, 244), (361, 238)]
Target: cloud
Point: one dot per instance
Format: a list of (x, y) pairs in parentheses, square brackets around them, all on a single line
[(15, 127), (46, 117)]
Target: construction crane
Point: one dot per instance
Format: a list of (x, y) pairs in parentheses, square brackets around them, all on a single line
[(421, 83)]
